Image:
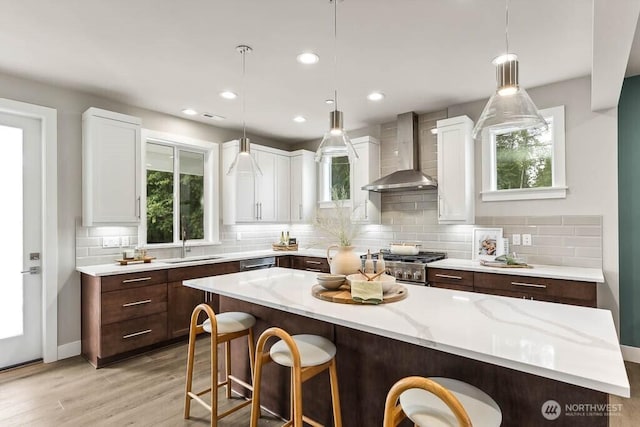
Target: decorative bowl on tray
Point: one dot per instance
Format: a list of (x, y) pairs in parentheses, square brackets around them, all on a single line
[(330, 281)]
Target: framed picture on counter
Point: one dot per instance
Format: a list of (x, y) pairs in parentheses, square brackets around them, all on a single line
[(487, 243)]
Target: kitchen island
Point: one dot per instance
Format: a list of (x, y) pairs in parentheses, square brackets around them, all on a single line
[(522, 353)]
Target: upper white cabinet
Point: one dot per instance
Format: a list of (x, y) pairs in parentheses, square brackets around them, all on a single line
[(303, 186), (365, 204), (111, 170), (455, 171), (265, 199)]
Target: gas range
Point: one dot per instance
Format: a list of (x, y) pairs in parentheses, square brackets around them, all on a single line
[(410, 269)]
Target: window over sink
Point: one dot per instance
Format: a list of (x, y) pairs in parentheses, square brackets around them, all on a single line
[(335, 181), (179, 190), (519, 165)]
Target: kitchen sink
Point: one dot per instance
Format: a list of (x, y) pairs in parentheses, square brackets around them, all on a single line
[(190, 259)]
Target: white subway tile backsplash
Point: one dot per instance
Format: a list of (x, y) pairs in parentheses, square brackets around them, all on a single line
[(586, 242), (556, 231), (582, 220), (544, 220), (588, 231)]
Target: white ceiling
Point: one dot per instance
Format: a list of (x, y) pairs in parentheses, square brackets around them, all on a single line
[(167, 55)]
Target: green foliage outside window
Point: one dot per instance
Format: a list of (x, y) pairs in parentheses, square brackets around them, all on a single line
[(159, 207), (340, 178), (523, 160), (192, 205)]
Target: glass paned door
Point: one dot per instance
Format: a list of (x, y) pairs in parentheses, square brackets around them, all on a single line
[(21, 288)]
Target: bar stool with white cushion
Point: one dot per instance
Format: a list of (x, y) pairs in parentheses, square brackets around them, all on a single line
[(440, 402), (223, 328), (307, 356)]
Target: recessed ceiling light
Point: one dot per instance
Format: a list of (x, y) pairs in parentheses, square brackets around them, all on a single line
[(227, 94), (189, 112), (299, 119), (328, 101), (375, 96), (212, 116), (308, 58)]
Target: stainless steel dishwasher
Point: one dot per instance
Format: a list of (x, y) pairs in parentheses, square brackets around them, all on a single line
[(257, 263)]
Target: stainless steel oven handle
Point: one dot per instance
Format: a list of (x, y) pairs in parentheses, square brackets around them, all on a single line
[(257, 267)]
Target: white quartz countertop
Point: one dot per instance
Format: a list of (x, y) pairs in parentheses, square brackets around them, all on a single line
[(548, 271), (115, 268), (575, 345)]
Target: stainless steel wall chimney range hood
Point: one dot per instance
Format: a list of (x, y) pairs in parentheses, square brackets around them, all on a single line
[(409, 177)]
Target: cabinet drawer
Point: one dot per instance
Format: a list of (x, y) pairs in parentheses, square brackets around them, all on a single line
[(311, 264), (439, 277), (195, 272), (545, 289), (132, 334), (128, 304), (133, 280)]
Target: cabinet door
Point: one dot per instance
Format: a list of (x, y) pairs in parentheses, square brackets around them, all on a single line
[(111, 154), (450, 279), (296, 189), (182, 301), (455, 171), (366, 204), (303, 181), (283, 190), (266, 186)]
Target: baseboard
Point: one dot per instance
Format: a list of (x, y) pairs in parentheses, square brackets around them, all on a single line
[(73, 349), (630, 354)]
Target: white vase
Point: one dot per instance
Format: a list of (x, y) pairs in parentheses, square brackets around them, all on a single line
[(345, 261)]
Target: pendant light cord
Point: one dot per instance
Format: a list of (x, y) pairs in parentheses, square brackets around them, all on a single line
[(506, 25), (335, 54), (244, 96)]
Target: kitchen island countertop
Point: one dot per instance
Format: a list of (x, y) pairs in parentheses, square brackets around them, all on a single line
[(571, 344)]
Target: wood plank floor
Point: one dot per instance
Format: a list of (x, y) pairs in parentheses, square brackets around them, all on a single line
[(148, 391)]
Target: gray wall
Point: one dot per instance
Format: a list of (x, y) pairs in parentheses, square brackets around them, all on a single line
[(70, 105)]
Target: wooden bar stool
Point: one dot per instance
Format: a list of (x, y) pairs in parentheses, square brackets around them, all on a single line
[(307, 356), (441, 402), (223, 328)]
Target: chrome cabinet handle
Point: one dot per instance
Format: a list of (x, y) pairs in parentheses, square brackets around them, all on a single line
[(136, 334), (439, 206), (139, 208), (529, 285), (257, 214), (366, 211), (317, 270), (139, 279), (313, 262), (447, 276), (131, 304), (300, 211)]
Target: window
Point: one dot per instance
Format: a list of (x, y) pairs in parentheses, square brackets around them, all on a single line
[(179, 180), (518, 165), (335, 180)]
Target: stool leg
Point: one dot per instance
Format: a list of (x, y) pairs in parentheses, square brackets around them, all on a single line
[(252, 353), (335, 396), (189, 381), (214, 380), (296, 390), (257, 378), (227, 357)]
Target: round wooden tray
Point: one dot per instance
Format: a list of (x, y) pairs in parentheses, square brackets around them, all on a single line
[(343, 294)]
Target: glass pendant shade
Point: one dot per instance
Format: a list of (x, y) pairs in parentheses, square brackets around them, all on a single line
[(510, 107), (244, 163), (336, 142)]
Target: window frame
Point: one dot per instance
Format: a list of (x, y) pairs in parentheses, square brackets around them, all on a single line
[(324, 187), (558, 189), (211, 188)]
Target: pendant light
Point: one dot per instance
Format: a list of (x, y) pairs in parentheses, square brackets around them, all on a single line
[(510, 107), (336, 142), (244, 163)]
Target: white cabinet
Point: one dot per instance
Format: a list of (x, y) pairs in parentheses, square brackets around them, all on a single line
[(265, 199), (455, 171), (366, 204), (111, 169), (303, 186)]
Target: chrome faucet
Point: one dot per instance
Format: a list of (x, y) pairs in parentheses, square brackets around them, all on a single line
[(184, 236)]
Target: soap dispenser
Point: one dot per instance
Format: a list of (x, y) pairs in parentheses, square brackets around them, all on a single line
[(368, 263), (380, 265)]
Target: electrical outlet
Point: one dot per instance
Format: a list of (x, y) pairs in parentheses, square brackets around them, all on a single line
[(124, 241), (110, 242), (515, 239), (526, 240)]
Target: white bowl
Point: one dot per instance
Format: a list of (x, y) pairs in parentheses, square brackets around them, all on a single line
[(385, 280), (330, 277), (331, 284)]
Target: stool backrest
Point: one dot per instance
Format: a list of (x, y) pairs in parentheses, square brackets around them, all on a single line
[(393, 413)]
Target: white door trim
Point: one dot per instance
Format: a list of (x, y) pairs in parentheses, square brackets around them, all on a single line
[(49, 120)]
